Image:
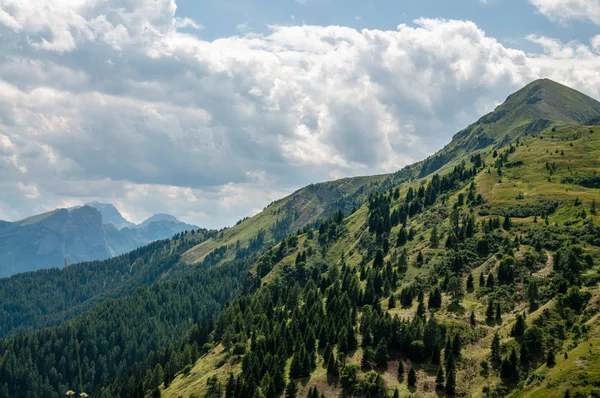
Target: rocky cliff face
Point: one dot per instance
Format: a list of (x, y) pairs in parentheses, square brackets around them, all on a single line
[(27, 246), (79, 234)]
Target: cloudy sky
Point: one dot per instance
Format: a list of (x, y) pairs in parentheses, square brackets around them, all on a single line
[(210, 110)]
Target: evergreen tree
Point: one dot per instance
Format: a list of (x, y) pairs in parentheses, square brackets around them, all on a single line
[(439, 379), (498, 312), (421, 311), (434, 239), (435, 298), (550, 359), (507, 224), (496, 348), (470, 284), (451, 381), (230, 388), (420, 259), (392, 302), (332, 365), (519, 327), (490, 281), (481, 280), (400, 370), (402, 237), (412, 377), (291, 390), (367, 358), (396, 393), (381, 354), (472, 319)]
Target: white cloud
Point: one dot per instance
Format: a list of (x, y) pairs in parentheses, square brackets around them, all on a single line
[(118, 103), (563, 10)]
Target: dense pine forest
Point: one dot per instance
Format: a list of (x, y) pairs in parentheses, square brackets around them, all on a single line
[(473, 273)]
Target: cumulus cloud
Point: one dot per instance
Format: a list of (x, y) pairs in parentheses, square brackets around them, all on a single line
[(563, 10), (122, 102)]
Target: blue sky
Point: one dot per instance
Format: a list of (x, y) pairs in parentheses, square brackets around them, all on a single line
[(509, 21), (210, 110)]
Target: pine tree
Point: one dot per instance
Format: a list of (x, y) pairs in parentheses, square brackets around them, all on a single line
[(400, 370), (490, 281), (392, 302), (470, 285), (593, 210), (481, 280), (396, 393), (498, 312), (381, 354), (451, 381), (507, 224), (519, 326), (456, 346), (496, 348), (421, 311), (420, 259), (402, 237), (367, 358), (291, 391), (472, 319), (550, 359), (230, 388), (412, 377), (439, 379), (489, 312), (435, 298), (434, 239), (332, 365)]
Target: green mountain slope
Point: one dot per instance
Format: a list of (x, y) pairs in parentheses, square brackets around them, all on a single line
[(290, 214), (536, 107), (339, 304), (541, 185)]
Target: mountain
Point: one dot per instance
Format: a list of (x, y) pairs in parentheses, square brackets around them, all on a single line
[(44, 240), (478, 278), (110, 215), (159, 218), (95, 231), (534, 108)]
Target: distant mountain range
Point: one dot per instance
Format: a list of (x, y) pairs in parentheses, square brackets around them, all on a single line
[(95, 231)]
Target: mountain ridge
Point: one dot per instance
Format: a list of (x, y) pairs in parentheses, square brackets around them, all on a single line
[(94, 231)]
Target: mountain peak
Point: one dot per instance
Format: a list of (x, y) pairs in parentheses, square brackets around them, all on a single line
[(160, 217), (539, 105), (110, 214), (549, 100)]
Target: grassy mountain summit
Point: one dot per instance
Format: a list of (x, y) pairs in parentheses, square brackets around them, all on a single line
[(539, 105), (472, 273)]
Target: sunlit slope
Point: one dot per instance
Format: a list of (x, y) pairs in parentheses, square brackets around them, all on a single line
[(291, 213), (514, 181)]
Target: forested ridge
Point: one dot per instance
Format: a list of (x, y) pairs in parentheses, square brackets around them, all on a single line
[(46, 297), (479, 279)]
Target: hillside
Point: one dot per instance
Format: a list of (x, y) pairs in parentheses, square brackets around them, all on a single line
[(290, 214), (474, 279), (344, 265), (542, 181), (536, 107)]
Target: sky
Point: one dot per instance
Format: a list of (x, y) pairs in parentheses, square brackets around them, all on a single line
[(210, 110)]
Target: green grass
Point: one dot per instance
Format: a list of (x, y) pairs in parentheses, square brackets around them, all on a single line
[(309, 203)]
